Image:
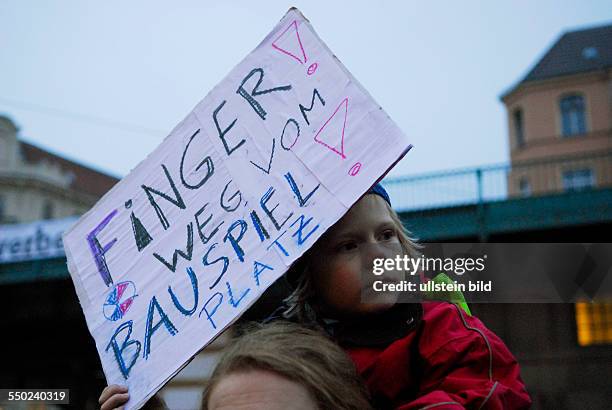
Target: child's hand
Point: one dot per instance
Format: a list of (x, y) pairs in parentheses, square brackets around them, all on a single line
[(113, 396)]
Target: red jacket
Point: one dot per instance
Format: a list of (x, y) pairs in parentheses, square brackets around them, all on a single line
[(449, 360)]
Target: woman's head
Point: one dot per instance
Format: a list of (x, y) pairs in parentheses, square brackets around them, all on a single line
[(283, 365), (334, 277)]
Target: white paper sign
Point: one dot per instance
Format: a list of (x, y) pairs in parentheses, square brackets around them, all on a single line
[(272, 157)]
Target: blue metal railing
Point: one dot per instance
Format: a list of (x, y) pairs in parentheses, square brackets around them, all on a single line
[(499, 182)]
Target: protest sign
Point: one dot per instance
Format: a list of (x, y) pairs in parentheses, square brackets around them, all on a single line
[(273, 156)]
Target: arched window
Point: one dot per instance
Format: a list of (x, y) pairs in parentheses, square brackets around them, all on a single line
[(2, 210), (594, 323), (573, 120), (47, 211), (524, 187), (578, 179), (517, 118)]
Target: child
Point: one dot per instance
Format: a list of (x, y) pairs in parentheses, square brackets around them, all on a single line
[(411, 356)]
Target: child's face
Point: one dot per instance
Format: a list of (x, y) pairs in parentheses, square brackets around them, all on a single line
[(342, 262)]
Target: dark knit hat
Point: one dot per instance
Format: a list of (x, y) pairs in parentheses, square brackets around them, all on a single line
[(380, 191)]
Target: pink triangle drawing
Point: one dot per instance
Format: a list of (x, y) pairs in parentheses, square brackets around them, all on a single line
[(120, 289), (330, 135), (126, 305), (289, 43)]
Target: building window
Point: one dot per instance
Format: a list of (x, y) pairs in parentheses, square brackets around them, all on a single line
[(524, 187), (47, 212), (593, 323), (578, 180), (572, 115), (590, 53), (518, 127)]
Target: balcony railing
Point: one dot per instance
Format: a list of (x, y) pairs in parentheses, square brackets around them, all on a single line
[(500, 182)]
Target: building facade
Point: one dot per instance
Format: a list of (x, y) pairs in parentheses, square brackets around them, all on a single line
[(562, 109), (37, 185), (560, 136)]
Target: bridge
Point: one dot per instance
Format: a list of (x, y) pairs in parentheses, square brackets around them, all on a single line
[(485, 203)]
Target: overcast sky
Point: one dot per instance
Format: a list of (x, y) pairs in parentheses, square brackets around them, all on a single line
[(103, 82)]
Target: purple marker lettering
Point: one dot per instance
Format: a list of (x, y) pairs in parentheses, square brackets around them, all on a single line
[(99, 251)]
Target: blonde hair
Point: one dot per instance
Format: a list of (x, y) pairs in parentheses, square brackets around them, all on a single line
[(299, 303), (301, 355)]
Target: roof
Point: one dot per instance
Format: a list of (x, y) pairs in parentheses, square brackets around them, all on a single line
[(575, 52), (7, 125), (86, 180)]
